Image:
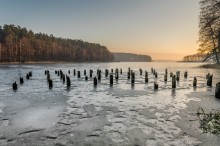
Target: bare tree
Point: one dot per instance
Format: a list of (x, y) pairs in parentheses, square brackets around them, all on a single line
[(209, 25)]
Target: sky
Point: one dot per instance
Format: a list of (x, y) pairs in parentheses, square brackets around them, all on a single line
[(163, 29)]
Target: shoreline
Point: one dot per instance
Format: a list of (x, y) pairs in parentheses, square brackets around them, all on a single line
[(213, 66)]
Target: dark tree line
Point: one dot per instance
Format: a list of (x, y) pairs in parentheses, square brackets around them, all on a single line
[(21, 45)]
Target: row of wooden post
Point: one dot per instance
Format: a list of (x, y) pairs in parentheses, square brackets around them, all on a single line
[(15, 85), (131, 76)]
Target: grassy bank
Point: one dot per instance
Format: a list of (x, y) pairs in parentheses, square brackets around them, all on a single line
[(214, 66)]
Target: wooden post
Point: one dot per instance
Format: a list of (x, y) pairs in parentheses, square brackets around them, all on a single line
[(155, 74), (132, 78), (194, 82), (146, 77), (209, 80), (128, 77), (116, 75), (15, 86), (68, 83), (0, 52), (178, 76), (21, 80), (185, 74), (84, 72), (173, 81), (74, 72), (171, 74), (165, 78), (111, 79), (106, 73), (120, 71), (217, 90), (78, 74), (86, 78), (99, 75), (50, 83), (140, 70), (155, 85), (91, 71), (95, 81)]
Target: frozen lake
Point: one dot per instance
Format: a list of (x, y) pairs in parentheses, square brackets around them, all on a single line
[(105, 115)]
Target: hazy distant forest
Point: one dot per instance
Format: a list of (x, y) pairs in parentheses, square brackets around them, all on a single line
[(21, 45)]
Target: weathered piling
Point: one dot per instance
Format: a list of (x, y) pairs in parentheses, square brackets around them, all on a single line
[(27, 76), (178, 76), (209, 80), (111, 79), (48, 77), (47, 72), (30, 74), (120, 71), (129, 70), (112, 70), (58, 73), (217, 90), (171, 74), (128, 76), (50, 82), (207, 75), (194, 82), (140, 70), (63, 78), (132, 78), (14, 86), (61, 74), (84, 72), (21, 80), (95, 81), (99, 75), (55, 71), (69, 71), (68, 83), (106, 73), (185, 74), (78, 74), (173, 81), (155, 85), (90, 73), (165, 78), (74, 72), (166, 72), (86, 78), (155, 74), (152, 70), (146, 77), (116, 75)]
